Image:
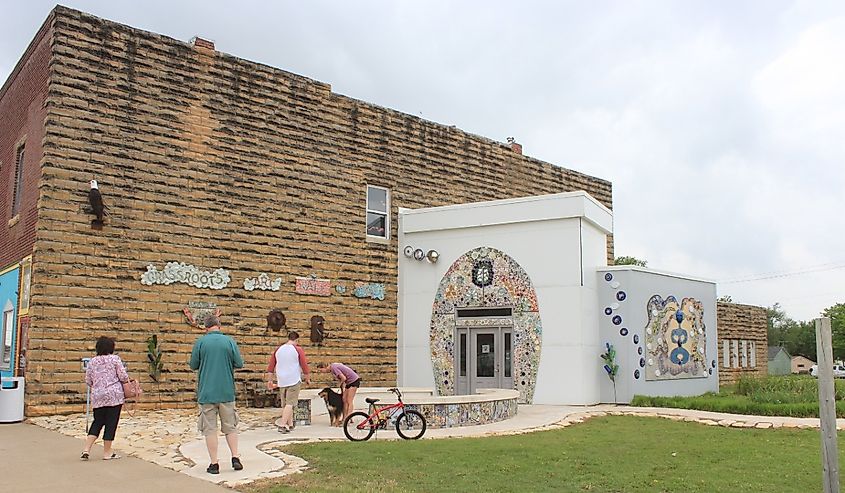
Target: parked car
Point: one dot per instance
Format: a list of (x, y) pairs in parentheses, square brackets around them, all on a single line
[(838, 371)]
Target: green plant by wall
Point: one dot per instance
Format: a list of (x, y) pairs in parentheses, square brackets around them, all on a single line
[(154, 358), (610, 366)]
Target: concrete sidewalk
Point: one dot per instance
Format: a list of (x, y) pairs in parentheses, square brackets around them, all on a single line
[(40, 460)]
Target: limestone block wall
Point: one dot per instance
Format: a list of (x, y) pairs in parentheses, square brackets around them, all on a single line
[(739, 323), (220, 162)]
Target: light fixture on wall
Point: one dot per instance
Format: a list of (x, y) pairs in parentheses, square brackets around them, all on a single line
[(420, 254)]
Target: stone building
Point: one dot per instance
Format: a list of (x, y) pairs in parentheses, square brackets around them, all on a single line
[(230, 169), (742, 344)]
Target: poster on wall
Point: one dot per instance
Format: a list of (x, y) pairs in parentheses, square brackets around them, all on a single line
[(26, 282), (23, 344)]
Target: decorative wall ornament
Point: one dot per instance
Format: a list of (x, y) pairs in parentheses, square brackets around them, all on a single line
[(262, 282), (675, 339), (482, 273), (188, 274), (610, 365), (197, 311), (26, 284), (313, 286), (507, 286), (369, 290), (318, 330), (154, 358), (340, 288), (276, 320)]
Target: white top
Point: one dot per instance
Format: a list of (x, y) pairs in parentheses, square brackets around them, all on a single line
[(288, 371)]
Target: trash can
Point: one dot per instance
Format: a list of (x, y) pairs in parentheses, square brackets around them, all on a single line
[(11, 399)]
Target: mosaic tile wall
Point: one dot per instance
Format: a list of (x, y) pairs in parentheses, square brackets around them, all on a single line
[(487, 277), (467, 413), (675, 339)]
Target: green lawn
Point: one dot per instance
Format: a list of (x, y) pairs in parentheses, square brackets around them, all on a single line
[(789, 395), (608, 454)]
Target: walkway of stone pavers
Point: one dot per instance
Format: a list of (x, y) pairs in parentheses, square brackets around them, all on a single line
[(169, 438)]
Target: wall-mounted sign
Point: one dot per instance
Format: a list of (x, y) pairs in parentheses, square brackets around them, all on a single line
[(26, 281), (23, 344), (262, 282), (188, 274), (197, 311), (369, 290), (314, 286)]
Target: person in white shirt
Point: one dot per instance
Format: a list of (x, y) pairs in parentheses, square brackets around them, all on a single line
[(288, 364)]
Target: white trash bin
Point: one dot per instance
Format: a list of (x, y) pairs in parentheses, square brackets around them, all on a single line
[(11, 399)]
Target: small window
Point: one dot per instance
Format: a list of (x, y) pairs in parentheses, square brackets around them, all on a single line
[(753, 352), (735, 352), (17, 191), (378, 212), (726, 354), (743, 351)]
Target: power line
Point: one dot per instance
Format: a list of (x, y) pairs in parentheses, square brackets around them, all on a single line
[(782, 274)]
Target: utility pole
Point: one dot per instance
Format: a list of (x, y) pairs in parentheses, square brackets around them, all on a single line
[(827, 406)]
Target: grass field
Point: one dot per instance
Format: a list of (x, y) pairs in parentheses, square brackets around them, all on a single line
[(608, 454), (790, 395)]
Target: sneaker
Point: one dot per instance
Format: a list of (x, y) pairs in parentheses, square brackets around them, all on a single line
[(236, 464), (84, 456), (213, 469), (113, 457)]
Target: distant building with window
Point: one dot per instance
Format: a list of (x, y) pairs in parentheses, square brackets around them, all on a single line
[(801, 365)]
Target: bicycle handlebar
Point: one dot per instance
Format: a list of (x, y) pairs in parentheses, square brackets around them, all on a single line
[(396, 391)]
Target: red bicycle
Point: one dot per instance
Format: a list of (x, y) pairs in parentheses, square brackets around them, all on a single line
[(360, 426)]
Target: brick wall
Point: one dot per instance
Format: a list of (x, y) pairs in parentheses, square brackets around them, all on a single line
[(742, 322), (22, 123), (219, 162)]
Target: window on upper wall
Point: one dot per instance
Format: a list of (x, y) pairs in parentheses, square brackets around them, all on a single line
[(378, 212), (18, 184)]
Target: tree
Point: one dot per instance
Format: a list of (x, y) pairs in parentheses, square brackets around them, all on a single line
[(836, 313), (798, 338), (629, 261), (725, 299)]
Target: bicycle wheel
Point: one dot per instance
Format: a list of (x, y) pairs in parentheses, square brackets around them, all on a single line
[(358, 427), (410, 425)]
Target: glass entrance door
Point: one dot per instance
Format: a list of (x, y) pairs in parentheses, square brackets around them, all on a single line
[(486, 365)]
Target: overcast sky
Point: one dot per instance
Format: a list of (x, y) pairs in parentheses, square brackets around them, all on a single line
[(720, 124)]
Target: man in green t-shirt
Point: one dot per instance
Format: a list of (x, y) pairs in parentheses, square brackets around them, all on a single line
[(216, 356)]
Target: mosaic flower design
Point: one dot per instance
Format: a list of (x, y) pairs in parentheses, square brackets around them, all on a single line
[(675, 339), (508, 286)]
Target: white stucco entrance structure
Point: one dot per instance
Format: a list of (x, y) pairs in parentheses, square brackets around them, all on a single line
[(512, 294)]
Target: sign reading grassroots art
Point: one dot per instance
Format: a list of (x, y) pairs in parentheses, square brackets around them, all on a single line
[(188, 274)]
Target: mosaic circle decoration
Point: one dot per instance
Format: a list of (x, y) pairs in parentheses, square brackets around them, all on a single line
[(608, 277), (637, 374), (713, 363), (486, 277), (620, 295), (482, 273), (710, 370), (640, 350), (617, 320), (608, 311), (636, 339), (642, 362), (623, 331)]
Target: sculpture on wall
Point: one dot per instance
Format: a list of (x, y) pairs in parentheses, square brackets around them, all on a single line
[(610, 365), (318, 330), (276, 320), (98, 208), (369, 290), (675, 339), (313, 286), (188, 274), (262, 282)]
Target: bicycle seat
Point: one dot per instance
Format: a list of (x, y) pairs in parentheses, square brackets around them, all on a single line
[(370, 400)]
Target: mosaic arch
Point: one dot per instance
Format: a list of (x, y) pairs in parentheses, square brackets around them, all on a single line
[(486, 277), (675, 339)]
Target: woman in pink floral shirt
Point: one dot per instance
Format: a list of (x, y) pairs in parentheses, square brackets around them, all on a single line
[(105, 375)]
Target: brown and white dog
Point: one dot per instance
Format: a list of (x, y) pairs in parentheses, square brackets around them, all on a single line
[(334, 404)]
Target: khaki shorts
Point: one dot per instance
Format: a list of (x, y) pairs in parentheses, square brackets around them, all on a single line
[(209, 413), (290, 395)]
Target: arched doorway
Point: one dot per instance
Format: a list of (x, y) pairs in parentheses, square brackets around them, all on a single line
[(485, 326)]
